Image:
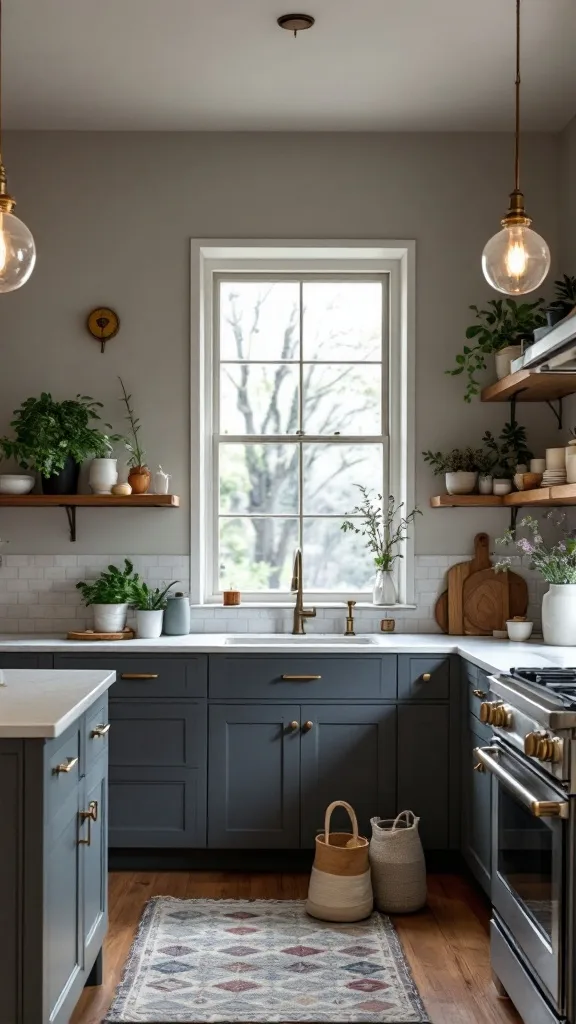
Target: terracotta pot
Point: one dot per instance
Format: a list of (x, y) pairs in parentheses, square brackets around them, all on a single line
[(139, 479)]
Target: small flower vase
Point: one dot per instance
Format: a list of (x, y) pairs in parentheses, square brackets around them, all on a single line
[(384, 591), (559, 615), (485, 482)]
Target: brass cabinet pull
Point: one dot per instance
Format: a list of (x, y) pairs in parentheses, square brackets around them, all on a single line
[(307, 726), (100, 730), (479, 767), (481, 694), (66, 766), (426, 677), (294, 726), (90, 815), (139, 675), (300, 679)]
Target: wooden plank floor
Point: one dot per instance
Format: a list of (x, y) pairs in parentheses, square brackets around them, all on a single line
[(446, 944)]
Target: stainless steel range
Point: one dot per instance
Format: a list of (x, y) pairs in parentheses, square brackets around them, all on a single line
[(532, 761)]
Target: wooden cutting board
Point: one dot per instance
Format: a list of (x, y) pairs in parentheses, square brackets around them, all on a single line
[(456, 577), (89, 634), (490, 598)]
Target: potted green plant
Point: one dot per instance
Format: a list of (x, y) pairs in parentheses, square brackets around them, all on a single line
[(54, 438), (510, 451), (564, 302), (385, 530), (501, 329), (459, 466), (139, 476), (485, 463), (111, 594), (150, 605)]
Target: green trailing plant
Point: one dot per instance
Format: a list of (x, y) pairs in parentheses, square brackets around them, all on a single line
[(459, 460), (47, 433), (565, 299), (147, 600), (136, 453), (508, 450), (113, 586), (504, 322), (382, 525)]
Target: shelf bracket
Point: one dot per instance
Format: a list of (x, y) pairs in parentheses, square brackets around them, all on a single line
[(513, 518), (558, 412), (71, 516)]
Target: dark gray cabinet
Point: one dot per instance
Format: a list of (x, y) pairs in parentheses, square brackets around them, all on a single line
[(54, 858), (476, 806), (25, 660), (424, 769)]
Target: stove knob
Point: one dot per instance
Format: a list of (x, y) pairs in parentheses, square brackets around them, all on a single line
[(550, 749), (486, 712), (531, 742), (501, 716)]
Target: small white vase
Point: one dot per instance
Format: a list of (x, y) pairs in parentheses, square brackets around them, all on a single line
[(461, 483), (103, 475), (384, 591), (161, 481), (485, 482), (149, 624), (504, 358), (559, 615), (109, 618), (501, 486)]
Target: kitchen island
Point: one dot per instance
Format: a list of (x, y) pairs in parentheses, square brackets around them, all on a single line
[(53, 839)]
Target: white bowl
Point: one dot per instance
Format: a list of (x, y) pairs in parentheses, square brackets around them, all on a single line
[(16, 483), (519, 631)]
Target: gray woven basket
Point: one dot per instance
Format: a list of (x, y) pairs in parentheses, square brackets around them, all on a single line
[(397, 864)]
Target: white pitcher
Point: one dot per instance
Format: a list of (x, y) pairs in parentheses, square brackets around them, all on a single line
[(161, 481)]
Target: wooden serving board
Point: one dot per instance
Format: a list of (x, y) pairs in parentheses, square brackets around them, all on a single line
[(88, 634), (457, 576)]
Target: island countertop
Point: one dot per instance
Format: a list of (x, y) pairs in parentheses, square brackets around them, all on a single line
[(42, 703), (487, 653)]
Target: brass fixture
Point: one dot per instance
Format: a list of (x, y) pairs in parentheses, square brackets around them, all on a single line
[(549, 749), (294, 726), (90, 815), (349, 631), (65, 767), (387, 625), (139, 675), (481, 694), (103, 324), (494, 713), (307, 726), (531, 741), (300, 679), (549, 809), (479, 767), (426, 677), (300, 612), (100, 731), (296, 22), (516, 260)]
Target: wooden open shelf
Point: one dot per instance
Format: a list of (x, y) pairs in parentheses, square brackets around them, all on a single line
[(527, 386), (542, 497), (71, 502), (466, 501)]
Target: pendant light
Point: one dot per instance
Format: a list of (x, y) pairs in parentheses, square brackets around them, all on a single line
[(17, 249), (516, 260)]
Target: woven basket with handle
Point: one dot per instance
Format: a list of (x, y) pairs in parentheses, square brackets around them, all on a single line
[(340, 886), (398, 865)]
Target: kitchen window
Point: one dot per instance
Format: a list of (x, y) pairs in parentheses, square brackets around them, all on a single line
[(302, 394)]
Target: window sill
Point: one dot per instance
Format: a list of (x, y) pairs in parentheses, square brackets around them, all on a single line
[(289, 605)]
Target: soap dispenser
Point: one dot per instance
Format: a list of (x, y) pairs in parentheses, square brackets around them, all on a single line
[(177, 615)]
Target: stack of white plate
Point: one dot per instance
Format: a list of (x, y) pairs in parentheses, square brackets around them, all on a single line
[(553, 478)]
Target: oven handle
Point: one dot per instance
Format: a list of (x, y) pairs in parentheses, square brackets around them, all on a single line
[(539, 808)]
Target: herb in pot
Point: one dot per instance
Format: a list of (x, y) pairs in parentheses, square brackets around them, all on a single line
[(113, 586), (385, 529), (509, 450), (459, 460), (147, 600), (139, 477)]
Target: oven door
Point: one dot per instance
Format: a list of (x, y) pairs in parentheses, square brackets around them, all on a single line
[(529, 839)]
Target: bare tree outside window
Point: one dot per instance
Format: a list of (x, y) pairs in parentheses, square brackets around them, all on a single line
[(301, 420)]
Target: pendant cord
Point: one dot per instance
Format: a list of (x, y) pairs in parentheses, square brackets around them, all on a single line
[(517, 142)]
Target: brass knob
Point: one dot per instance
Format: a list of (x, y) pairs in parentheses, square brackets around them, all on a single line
[(485, 712), (100, 731), (307, 726), (65, 767), (294, 726), (479, 767), (531, 741), (501, 716), (426, 677), (481, 694), (90, 815), (549, 749)]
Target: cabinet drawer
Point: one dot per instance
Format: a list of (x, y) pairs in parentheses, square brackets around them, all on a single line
[(157, 807), (96, 723), (156, 733), (146, 675), (62, 769), (423, 678), (303, 677)]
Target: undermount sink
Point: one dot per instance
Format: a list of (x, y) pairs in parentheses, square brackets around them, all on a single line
[(281, 640)]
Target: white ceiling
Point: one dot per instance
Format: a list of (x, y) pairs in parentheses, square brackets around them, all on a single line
[(377, 65)]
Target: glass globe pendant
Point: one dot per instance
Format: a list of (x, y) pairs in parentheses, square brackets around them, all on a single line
[(517, 259)]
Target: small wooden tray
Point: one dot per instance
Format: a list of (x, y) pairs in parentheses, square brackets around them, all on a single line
[(89, 634)]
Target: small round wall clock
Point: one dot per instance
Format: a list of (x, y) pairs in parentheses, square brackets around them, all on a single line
[(103, 324)]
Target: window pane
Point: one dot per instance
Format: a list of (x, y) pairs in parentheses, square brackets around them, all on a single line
[(342, 320), (331, 471), (259, 320), (256, 479), (259, 399), (344, 398), (334, 560), (256, 554)]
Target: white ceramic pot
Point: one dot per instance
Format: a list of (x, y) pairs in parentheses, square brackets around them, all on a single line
[(537, 465), (16, 483), (571, 469), (461, 483), (559, 615), (485, 482), (384, 591), (519, 631), (103, 475), (109, 618), (149, 624), (501, 486), (555, 459), (504, 358)]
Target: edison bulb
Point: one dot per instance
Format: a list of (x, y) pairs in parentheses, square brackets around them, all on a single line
[(17, 252), (516, 260)]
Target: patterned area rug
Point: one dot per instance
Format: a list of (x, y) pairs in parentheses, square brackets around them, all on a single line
[(200, 961)]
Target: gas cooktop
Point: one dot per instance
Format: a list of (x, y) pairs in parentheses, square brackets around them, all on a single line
[(560, 681)]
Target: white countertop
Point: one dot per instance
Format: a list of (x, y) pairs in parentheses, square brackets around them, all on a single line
[(42, 703), (489, 654)]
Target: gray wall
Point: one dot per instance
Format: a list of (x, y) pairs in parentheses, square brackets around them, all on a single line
[(113, 214), (568, 197)]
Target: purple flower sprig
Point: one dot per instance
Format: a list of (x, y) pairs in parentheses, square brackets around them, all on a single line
[(556, 561)]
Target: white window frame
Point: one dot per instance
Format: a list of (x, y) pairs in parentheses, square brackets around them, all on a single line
[(212, 258)]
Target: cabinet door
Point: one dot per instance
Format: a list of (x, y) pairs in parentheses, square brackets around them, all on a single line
[(254, 777), (63, 940), (95, 861), (423, 770), (476, 808), (347, 753), (25, 660)]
